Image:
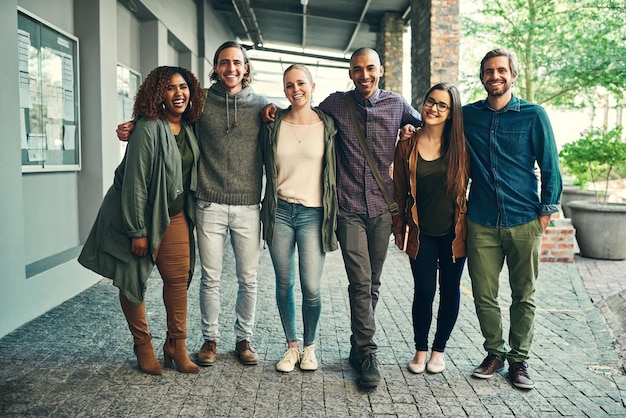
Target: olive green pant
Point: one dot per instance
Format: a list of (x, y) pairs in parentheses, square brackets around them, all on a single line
[(487, 249)]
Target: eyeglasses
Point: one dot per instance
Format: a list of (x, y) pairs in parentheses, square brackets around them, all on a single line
[(441, 106)]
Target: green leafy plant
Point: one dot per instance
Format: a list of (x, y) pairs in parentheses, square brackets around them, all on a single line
[(595, 157)]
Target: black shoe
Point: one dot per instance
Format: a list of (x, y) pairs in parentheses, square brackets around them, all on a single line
[(354, 359), (370, 376), (488, 367), (518, 372)]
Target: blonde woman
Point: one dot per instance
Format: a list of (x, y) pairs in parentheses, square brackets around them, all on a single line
[(299, 209)]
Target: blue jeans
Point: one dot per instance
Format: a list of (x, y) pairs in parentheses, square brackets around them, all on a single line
[(435, 253), (298, 226), (214, 222)]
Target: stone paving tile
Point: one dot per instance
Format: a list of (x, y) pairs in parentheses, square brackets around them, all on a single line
[(605, 282), (77, 359)]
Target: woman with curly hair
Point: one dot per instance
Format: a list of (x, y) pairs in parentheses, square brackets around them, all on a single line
[(431, 172), (148, 215), (230, 174)]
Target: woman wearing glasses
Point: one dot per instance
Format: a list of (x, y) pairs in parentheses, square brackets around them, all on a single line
[(430, 175)]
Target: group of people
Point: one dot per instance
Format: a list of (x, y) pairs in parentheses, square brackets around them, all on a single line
[(195, 159)]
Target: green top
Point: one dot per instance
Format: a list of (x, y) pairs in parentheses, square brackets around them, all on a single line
[(186, 156)]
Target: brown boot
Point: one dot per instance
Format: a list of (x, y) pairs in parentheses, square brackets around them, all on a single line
[(174, 349), (175, 298), (172, 260), (136, 319)]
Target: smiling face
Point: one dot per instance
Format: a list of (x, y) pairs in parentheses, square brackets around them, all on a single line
[(176, 98), (497, 77), (298, 88), (230, 69), (433, 114), (365, 72)]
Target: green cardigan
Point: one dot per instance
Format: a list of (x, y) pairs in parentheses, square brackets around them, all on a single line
[(268, 138), (146, 182)]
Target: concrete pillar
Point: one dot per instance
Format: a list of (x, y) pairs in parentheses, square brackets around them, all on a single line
[(391, 51), (153, 45), (95, 24), (12, 244)]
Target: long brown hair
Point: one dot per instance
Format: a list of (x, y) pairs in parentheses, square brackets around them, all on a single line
[(454, 149), (151, 93)]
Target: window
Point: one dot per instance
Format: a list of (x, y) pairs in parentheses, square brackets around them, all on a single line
[(48, 83), (127, 85)]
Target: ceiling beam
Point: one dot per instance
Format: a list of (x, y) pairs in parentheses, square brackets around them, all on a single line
[(357, 27), (311, 11), (299, 54), (248, 20), (304, 4)]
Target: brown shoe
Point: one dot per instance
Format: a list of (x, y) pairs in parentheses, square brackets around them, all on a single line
[(206, 355), (488, 367), (246, 353), (518, 372)]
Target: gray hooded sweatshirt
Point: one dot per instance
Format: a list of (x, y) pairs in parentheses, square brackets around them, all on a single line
[(230, 169)]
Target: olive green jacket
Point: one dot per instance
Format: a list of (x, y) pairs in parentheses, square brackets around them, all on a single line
[(268, 138), (146, 182)]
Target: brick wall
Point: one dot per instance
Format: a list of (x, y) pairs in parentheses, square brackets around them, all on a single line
[(436, 37), (391, 52), (558, 243), (445, 41)]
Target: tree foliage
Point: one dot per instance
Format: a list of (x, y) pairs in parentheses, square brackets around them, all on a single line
[(566, 49)]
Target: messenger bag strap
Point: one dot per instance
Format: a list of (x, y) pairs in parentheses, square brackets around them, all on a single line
[(393, 206)]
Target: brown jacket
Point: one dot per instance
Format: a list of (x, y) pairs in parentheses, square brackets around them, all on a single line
[(404, 175)]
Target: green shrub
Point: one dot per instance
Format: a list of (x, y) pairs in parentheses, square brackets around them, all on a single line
[(596, 156)]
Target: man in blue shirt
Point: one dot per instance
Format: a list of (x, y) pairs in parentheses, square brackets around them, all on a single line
[(507, 211)]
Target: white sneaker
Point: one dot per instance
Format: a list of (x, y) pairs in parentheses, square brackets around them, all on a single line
[(308, 362), (289, 360)]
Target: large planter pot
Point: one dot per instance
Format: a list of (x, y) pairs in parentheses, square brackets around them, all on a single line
[(571, 193), (600, 229)]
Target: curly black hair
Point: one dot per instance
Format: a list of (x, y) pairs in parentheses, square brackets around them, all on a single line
[(151, 93)]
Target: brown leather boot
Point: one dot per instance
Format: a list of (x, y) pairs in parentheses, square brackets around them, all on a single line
[(136, 319), (172, 260), (175, 298), (175, 350)]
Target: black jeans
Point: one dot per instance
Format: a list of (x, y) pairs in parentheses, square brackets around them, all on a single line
[(435, 253)]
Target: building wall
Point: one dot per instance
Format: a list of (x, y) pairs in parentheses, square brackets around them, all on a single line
[(47, 215)]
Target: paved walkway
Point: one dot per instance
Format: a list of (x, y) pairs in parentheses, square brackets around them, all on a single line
[(77, 360)]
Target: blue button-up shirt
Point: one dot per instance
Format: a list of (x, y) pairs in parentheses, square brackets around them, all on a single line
[(504, 146), (380, 116)]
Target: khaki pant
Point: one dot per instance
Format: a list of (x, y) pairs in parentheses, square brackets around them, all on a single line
[(364, 242), (487, 249)]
